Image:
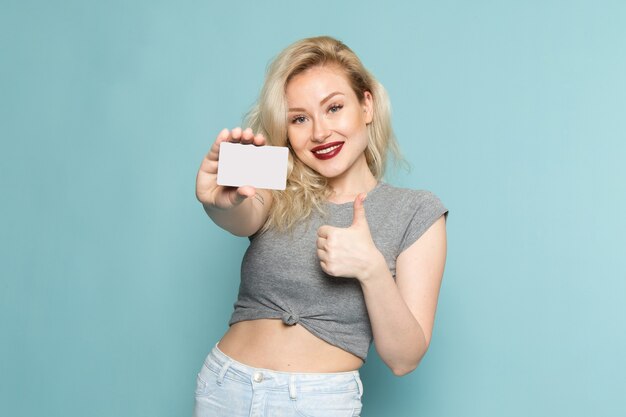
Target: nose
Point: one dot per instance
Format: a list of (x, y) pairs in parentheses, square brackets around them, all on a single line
[(320, 130)]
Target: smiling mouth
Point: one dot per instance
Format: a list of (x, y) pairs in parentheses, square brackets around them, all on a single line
[(327, 151)]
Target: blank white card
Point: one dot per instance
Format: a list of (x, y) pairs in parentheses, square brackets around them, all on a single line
[(258, 166)]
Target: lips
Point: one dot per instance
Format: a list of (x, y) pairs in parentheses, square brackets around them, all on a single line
[(327, 150)]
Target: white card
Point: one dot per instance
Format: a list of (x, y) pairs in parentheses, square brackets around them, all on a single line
[(258, 166)]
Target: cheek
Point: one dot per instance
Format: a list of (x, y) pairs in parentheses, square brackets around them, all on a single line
[(296, 138), (352, 123)]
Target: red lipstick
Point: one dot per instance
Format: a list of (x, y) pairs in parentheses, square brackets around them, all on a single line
[(327, 150)]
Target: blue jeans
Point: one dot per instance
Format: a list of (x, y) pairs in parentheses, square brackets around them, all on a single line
[(229, 388)]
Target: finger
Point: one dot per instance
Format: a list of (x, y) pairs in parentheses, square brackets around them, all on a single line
[(214, 152), (223, 136), (235, 134), (324, 231), (238, 195), (259, 140), (322, 255), (247, 191), (324, 267), (209, 162), (208, 166), (321, 243), (359, 211), (247, 136)]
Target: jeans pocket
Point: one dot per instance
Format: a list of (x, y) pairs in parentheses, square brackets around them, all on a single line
[(342, 404), (206, 382)]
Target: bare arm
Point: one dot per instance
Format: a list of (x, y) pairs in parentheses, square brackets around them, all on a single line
[(402, 313), (244, 219), (240, 210)]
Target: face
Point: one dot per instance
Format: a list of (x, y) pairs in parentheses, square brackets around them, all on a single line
[(327, 124)]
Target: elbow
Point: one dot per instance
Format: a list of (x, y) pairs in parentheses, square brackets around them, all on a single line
[(405, 368), (241, 233), (403, 371)]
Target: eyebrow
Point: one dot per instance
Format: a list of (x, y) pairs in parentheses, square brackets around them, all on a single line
[(328, 97)]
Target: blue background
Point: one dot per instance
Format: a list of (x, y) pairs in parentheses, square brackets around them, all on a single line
[(115, 285)]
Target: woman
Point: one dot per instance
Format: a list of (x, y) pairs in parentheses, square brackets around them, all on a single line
[(336, 259)]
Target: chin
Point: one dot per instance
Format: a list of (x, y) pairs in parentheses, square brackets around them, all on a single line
[(330, 173)]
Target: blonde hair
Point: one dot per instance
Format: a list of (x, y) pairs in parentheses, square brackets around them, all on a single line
[(306, 189)]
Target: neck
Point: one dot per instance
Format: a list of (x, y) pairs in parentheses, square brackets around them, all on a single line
[(347, 190)]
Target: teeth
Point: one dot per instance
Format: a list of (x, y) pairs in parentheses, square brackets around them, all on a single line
[(327, 150)]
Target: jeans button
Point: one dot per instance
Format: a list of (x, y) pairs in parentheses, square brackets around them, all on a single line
[(258, 377)]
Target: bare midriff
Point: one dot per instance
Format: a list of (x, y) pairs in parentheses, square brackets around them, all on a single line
[(271, 344)]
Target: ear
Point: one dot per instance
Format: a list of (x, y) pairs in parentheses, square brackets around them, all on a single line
[(368, 107)]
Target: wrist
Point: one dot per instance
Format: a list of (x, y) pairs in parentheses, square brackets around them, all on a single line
[(375, 268)]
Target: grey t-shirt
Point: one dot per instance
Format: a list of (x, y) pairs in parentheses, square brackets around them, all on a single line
[(281, 277)]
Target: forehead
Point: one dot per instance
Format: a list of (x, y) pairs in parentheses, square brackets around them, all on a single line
[(316, 83)]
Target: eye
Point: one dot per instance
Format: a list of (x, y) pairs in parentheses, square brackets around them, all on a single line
[(298, 119), (335, 108)]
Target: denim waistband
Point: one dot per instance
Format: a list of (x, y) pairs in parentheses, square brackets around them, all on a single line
[(226, 367)]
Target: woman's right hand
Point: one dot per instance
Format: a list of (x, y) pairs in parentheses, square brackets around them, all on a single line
[(217, 196)]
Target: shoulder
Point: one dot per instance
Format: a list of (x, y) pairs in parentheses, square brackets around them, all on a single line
[(408, 199), (411, 212)]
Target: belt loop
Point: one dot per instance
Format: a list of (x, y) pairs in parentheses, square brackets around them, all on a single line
[(357, 377), (292, 387), (223, 371)]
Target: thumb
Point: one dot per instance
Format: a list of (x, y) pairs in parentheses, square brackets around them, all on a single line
[(238, 195), (359, 211)]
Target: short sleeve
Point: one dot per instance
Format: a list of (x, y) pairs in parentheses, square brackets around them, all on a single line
[(427, 209)]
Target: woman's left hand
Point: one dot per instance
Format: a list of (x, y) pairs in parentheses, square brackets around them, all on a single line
[(349, 252)]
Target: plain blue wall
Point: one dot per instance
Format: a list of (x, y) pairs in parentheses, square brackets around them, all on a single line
[(115, 285)]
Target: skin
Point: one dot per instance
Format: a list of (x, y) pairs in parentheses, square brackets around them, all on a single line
[(233, 209), (324, 110)]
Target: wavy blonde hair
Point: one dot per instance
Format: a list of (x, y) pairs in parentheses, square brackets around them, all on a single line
[(306, 189)]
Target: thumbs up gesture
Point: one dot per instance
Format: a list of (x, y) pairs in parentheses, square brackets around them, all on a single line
[(348, 252)]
